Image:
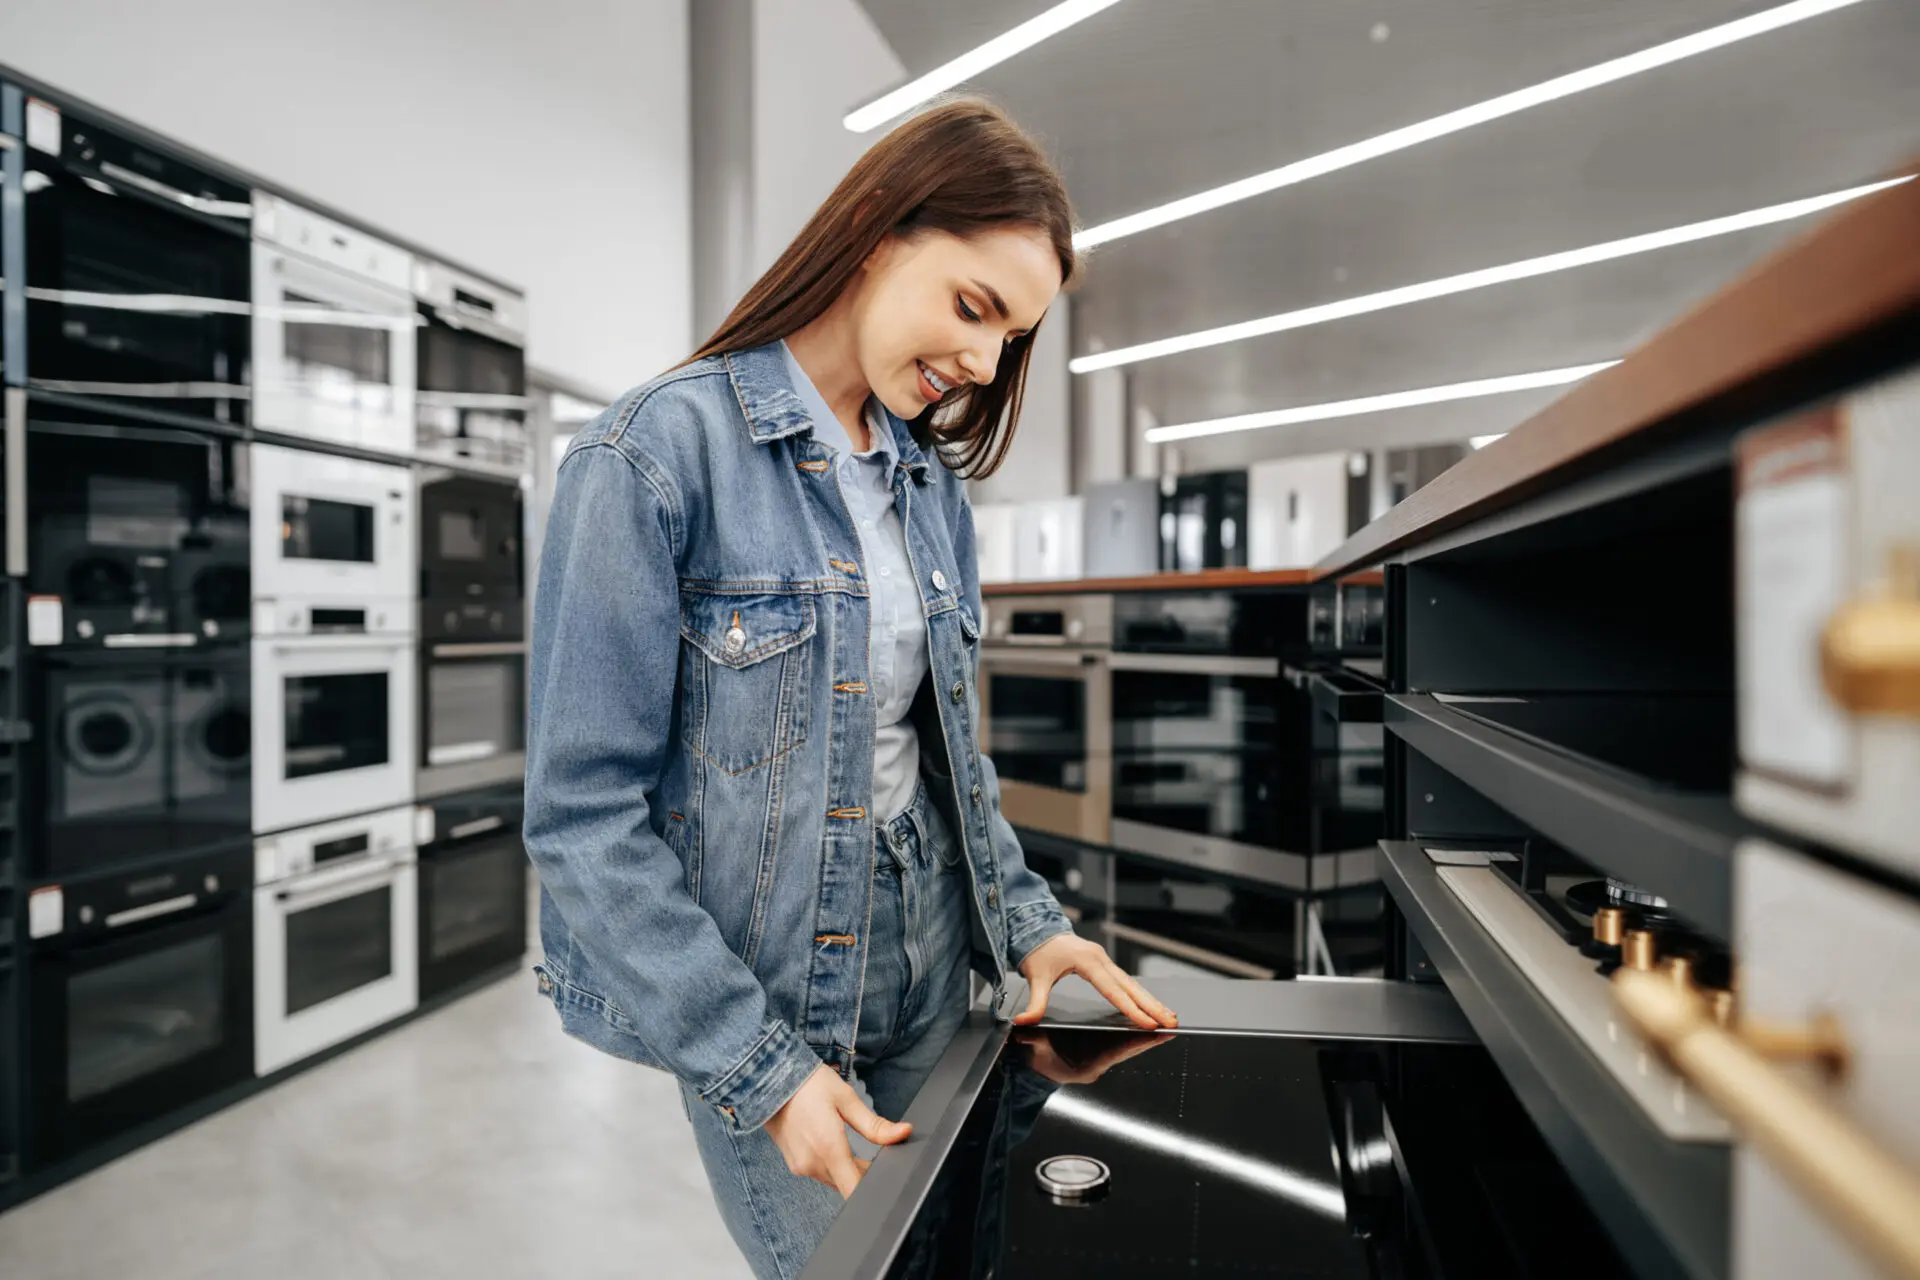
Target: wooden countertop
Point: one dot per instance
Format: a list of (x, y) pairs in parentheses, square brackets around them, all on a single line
[(1806, 312), (1204, 580)]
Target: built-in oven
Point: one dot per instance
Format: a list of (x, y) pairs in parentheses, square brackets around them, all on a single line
[(143, 753), (333, 729), (472, 400), (331, 529), (139, 997), (136, 271), (138, 534), (333, 329), (335, 939), (473, 708), (473, 887), (1046, 711)]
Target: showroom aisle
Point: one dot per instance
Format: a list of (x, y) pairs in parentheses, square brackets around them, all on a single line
[(475, 1143)]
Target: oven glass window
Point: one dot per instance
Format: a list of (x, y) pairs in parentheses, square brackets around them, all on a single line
[(335, 722), (143, 1015), (338, 947), (322, 529), (474, 898), (1197, 753), (463, 535), (1038, 730), (128, 511), (473, 709), (351, 362)]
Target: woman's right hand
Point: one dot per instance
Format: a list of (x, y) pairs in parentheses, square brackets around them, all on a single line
[(811, 1131)]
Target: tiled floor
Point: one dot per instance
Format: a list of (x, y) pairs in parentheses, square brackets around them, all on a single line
[(478, 1143)]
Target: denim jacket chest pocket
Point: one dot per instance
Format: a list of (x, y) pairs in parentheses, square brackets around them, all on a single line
[(745, 672)]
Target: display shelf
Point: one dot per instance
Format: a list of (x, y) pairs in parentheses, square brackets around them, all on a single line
[(1636, 830), (1666, 1203)]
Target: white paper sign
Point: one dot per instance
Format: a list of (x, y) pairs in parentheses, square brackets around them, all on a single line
[(46, 912), (46, 620)]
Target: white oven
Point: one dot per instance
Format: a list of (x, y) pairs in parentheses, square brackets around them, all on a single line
[(333, 330), (1829, 623), (336, 934), (332, 529), (334, 715)]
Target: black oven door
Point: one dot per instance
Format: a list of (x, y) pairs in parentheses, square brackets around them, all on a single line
[(11, 1111), (472, 400), (473, 889), (143, 1004), (473, 708), (147, 754), (470, 567), (138, 533), (138, 277)]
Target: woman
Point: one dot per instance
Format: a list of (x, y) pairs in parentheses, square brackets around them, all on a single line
[(770, 850)]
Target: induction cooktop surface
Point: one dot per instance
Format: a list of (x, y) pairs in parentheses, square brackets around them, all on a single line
[(1095, 1153)]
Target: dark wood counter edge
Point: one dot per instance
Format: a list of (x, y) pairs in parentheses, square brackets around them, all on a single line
[(1665, 1203), (1203, 580), (869, 1230), (1807, 308)]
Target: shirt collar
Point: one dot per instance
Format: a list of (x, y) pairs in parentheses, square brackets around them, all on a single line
[(766, 387), (827, 428)]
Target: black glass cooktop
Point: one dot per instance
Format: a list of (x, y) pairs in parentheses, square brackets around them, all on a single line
[(1245, 1156)]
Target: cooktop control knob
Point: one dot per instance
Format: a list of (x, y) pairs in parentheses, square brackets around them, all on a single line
[(1680, 969), (1638, 950), (1072, 1179), (1609, 926)]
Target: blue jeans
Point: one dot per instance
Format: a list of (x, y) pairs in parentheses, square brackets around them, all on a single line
[(913, 1000)]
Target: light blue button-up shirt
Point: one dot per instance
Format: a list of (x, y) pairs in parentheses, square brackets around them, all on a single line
[(897, 642)]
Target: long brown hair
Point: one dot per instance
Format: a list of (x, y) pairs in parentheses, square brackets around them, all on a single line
[(961, 167)]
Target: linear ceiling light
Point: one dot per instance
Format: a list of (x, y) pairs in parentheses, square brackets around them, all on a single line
[(972, 63), (1465, 118), (1481, 279), (1377, 404)]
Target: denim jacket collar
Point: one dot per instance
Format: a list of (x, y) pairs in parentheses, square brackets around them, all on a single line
[(774, 410)]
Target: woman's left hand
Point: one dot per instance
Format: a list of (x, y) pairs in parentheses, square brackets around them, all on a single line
[(1066, 953)]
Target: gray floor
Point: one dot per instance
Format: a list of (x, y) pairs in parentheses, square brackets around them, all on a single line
[(475, 1143)]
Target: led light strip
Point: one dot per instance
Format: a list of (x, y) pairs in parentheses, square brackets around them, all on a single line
[(1470, 280), (1440, 126), (1377, 404), (1309, 1193), (972, 63)]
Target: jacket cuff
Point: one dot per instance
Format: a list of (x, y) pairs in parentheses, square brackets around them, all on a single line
[(1029, 926), (762, 1082)]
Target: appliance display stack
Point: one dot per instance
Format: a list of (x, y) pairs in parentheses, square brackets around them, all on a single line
[(247, 624)]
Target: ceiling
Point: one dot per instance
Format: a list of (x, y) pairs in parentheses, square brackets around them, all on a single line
[(1154, 99)]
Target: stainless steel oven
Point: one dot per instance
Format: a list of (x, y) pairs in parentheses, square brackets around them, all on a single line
[(336, 946), (473, 708), (333, 329), (139, 997), (144, 752), (332, 530), (473, 887), (472, 400), (137, 273), (1046, 711), (138, 534)]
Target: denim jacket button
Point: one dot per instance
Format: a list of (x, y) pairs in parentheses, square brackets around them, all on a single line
[(976, 793), (736, 640), (959, 690), (993, 895), (939, 580)]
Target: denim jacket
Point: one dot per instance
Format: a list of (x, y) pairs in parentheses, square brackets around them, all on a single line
[(700, 741)]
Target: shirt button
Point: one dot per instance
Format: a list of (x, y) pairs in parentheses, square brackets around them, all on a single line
[(885, 572), (959, 690), (939, 580)]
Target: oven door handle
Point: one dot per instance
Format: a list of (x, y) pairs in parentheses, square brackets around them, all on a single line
[(994, 658), (481, 649), (185, 199), (152, 911), (321, 890), (323, 646), (1199, 664)]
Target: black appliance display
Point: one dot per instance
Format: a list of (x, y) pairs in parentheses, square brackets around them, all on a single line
[(141, 998), (138, 271), (473, 888), (139, 535), (472, 368), (1203, 522), (145, 752), (1220, 1155)]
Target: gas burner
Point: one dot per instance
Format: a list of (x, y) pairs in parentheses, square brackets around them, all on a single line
[(1590, 896), (1073, 1179)]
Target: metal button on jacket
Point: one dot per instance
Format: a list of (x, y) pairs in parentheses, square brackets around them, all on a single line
[(939, 580), (993, 895), (736, 640), (959, 690)]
